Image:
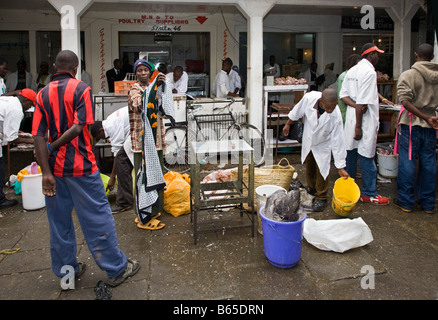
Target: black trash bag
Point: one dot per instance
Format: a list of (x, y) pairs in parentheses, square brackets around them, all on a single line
[(102, 291)]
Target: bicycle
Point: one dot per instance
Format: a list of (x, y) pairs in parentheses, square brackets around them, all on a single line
[(207, 127)]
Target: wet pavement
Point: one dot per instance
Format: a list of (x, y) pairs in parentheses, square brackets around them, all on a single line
[(230, 264)]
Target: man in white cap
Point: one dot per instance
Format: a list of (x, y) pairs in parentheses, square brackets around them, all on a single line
[(359, 92)]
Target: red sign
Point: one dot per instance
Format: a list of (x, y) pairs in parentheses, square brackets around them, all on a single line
[(200, 19)]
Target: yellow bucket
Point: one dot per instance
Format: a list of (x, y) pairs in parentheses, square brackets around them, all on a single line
[(346, 193)]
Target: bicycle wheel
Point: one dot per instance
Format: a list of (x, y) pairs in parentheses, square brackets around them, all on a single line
[(176, 151), (253, 137)]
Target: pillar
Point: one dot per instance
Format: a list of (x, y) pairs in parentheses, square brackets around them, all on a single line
[(254, 15), (71, 12), (402, 36)]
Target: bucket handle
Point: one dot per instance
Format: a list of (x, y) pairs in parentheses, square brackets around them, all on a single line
[(299, 242)]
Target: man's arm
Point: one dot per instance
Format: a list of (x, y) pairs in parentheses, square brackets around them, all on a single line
[(49, 182), (431, 120), (68, 136), (360, 110)]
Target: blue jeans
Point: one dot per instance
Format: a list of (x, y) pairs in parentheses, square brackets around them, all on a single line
[(87, 196), (368, 169), (423, 147)]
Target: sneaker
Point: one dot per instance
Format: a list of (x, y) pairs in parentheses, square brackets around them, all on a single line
[(400, 207), (319, 205), (376, 200), (131, 269)]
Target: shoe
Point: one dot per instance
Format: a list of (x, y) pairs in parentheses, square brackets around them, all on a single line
[(319, 205), (137, 220), (376, 200), (8, 203), (153, 224), (131, 269), (310, 191), (400, 207), (81, 270), (118, 209)]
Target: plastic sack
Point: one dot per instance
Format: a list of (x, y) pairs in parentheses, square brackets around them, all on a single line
[(337, 235), (33, 168), (177, 194)]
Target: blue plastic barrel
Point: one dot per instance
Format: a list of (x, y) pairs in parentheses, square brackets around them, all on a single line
[(282, 241)]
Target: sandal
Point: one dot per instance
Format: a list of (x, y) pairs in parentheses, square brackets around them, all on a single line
[(153, 224), (137, 220)]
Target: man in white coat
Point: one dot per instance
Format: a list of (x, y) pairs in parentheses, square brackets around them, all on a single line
[(359, 92), (323, 136), (116, 127), (19, 79), (221, 84)]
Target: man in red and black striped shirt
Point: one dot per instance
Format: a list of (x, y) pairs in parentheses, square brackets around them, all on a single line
[(71, 178)]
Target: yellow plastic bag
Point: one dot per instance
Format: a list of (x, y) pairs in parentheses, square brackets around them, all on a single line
[(177, 193), (25, 172)]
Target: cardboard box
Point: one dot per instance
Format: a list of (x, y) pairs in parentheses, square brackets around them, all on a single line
[(122, 87)]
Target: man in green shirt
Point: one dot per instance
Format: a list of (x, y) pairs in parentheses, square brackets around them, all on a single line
[(352, 60)]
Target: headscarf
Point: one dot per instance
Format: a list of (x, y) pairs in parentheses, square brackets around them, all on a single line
[(145, 63)]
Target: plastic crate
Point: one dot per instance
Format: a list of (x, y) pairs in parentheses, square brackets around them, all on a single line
[(122, 87)]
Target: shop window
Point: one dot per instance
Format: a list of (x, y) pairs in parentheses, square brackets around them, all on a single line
[(191, 50), (14, 46)]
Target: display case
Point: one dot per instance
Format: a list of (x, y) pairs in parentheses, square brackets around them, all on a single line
[(198, 85)]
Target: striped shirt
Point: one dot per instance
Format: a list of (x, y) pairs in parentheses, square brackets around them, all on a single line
[(60, 104)]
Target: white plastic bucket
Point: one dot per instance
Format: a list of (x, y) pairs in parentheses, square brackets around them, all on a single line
[(32, 192), (388, 165), (262, 193)]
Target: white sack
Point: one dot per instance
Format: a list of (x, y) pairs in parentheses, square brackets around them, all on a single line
[(337, 235)]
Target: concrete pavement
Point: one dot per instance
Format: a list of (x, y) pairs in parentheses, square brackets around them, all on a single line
[(230, 265)]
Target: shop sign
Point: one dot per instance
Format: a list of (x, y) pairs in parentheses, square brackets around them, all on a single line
[(156, 19)]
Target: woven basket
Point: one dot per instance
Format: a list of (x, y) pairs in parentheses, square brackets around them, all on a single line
[(277, 175)]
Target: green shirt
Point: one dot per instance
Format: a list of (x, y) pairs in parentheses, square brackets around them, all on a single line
[(341, 104)]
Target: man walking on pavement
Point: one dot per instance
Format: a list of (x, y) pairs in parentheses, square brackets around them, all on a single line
[(71, 178), (359, 92), (416, 136)]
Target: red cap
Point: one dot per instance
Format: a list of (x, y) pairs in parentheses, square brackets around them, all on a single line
[(29, 94), (369, 47)]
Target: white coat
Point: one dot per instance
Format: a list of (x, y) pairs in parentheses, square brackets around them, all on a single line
[(12, 80), (117, 128), (322, 136), (360, 84)]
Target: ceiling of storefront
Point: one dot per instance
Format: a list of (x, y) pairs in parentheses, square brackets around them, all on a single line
[(102, 6)]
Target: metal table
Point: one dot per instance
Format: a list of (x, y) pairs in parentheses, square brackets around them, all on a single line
[(232, 192)]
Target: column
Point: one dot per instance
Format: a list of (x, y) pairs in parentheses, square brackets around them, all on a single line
[(402, 36), (71, 12), (254, 15)]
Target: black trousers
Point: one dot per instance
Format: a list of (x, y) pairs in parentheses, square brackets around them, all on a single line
[(125, 196)]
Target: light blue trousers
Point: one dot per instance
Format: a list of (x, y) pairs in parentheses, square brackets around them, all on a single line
[(87, 196)]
